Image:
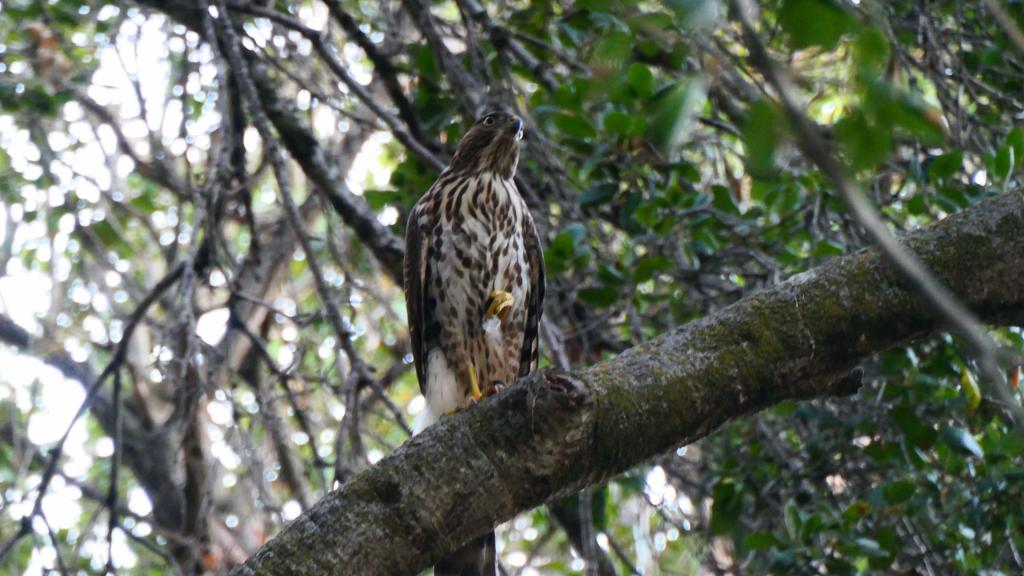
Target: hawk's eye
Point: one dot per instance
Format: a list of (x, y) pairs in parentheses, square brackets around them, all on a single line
[(488, 120)]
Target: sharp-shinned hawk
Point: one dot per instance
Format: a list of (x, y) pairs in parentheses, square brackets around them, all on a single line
[(474, 287)]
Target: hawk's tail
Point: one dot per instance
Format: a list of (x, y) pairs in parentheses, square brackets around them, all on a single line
[(476, 558)]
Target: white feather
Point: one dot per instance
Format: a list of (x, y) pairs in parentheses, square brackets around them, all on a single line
[(443, 394), (492, 327)]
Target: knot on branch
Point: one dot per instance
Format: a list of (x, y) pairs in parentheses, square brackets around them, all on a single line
[(848, 385), (567, 390)]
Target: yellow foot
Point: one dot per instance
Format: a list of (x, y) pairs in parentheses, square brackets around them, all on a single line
[(474, 386), (500, 303), (474, 390)]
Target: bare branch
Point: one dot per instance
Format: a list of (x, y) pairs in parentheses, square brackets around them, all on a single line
[(113, 365), (400, 131)]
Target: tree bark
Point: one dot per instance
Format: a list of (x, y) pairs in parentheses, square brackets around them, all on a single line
[(553, 433)]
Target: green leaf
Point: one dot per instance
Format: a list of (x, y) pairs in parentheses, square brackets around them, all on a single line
[(611, 53), (792, 519), (890, 106), (866, 145), (826, 249), (577, 233), (871, 51), (649, 24), (899, 491), (575, 126), (963, 441), (568, 248), (673, 114), (760, 541), (1002, 164), (144, 201), (599, 498), (648, 267), (1008, 156), (726, 508), (600, 297), (970, 387), (596, 5), (297, 267), (640, 80), (920, 434), (620, 124), (598, 194), (762, 132), (945, 166), (1015, 140), (631, 483), (871, 548), (916, 205), (856, 511), (953, 196), (610, 275), (810, 23), (647, 215), (811, 527), (106, 233), (378, 198), (425, 63), (723, 200), (695, 14)]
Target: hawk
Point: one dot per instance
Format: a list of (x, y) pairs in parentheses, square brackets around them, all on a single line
[(474, 287)]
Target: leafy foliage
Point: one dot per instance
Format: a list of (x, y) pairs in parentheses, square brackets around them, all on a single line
[(663, 176)]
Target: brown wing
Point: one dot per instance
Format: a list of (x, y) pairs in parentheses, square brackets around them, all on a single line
[(530, 353), (414, 276)]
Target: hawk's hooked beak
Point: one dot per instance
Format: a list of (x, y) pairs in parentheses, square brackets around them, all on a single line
[(516, 126)]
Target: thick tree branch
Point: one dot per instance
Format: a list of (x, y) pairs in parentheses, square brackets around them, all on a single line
[(554, 433)]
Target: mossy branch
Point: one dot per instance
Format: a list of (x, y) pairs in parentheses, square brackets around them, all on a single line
[(553, 433)]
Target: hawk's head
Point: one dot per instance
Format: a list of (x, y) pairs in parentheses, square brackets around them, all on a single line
[(491, 145)]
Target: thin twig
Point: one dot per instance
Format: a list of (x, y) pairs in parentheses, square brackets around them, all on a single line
[(398, 129), (61, 566), (381, 63), (280, 169), (359, 371), (115, 464), (115, 363), (588, 546), (503, 41)]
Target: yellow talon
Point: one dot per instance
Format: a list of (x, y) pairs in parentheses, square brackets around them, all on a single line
[(474, 386), (474, 390), (501, 303)]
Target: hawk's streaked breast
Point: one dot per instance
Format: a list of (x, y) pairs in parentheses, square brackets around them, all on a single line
[(475, 242)]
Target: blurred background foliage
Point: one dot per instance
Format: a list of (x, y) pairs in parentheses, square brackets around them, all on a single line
[(665, 182)]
